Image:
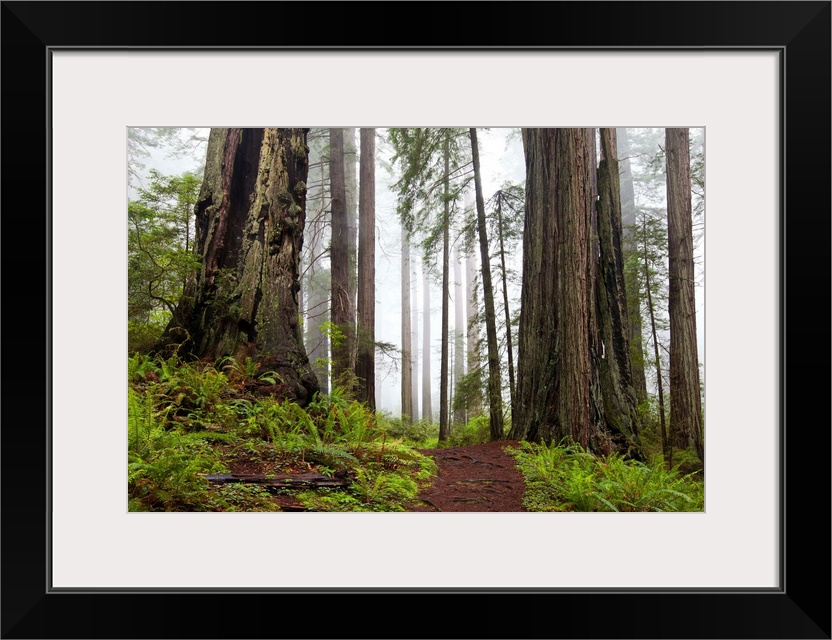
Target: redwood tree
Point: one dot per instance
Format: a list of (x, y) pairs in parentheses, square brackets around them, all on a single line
[(615, 369), (628, 244), (250, 217), (365, 367), (554, 369), (342, 307), (351, 196), (685, 401)]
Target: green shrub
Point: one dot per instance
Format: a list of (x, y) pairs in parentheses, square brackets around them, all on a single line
[(476, 431), (164, 467), (143, 336), (421, 434), (188, 419), (567, 478)]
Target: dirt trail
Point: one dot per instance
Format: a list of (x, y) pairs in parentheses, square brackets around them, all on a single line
[(480, 477)]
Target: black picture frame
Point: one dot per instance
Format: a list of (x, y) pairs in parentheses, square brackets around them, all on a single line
[(800, 608)]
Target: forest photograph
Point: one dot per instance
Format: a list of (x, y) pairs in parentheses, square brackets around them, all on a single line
[(464, 316), (415, 319)]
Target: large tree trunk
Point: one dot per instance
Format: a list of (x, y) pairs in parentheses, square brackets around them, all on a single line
[(365, 364), (685, 401), (554, 377), (407, 371), (617, 389), (444, 425), (631, 279), (427, 400), (495, 396), (249, 233), (342, 305)]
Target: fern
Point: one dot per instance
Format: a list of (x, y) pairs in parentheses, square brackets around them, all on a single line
[(567, 478)]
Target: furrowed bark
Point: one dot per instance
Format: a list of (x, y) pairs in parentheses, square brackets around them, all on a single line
[(351, 197), (365, 362), (685, 400), (341, 308), (617, 388), (554, 369), (249, 231)]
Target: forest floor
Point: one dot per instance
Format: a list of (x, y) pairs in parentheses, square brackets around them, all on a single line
[(472, 478), (479, 477)]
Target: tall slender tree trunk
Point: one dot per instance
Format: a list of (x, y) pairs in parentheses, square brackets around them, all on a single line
[(667, 447), (475, 403), (250, 217), (301, 303), (596, 345), (631, 280), (427, 401), (618, 391), (365, 363), (495, 395), (459, 337), (685, 400), (594, 249), (414, 340), (341, 308), (407, 371), (554, 377), (351, 197), (509, 347), (451, 371), (317, 293), (444, 425)]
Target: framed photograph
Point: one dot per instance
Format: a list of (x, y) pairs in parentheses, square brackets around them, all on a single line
[(754, 75)]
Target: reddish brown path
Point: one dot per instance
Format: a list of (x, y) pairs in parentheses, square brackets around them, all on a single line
[(480, 477)]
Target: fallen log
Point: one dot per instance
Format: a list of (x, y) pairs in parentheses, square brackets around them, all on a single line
[(278, 481)]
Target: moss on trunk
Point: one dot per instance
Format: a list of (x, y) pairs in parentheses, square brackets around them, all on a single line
[(249, 233)]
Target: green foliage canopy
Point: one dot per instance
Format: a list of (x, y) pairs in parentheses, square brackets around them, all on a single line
[(161, 259)]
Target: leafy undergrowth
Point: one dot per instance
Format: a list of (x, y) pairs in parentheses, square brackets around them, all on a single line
[(189, 419), (567, 478)]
